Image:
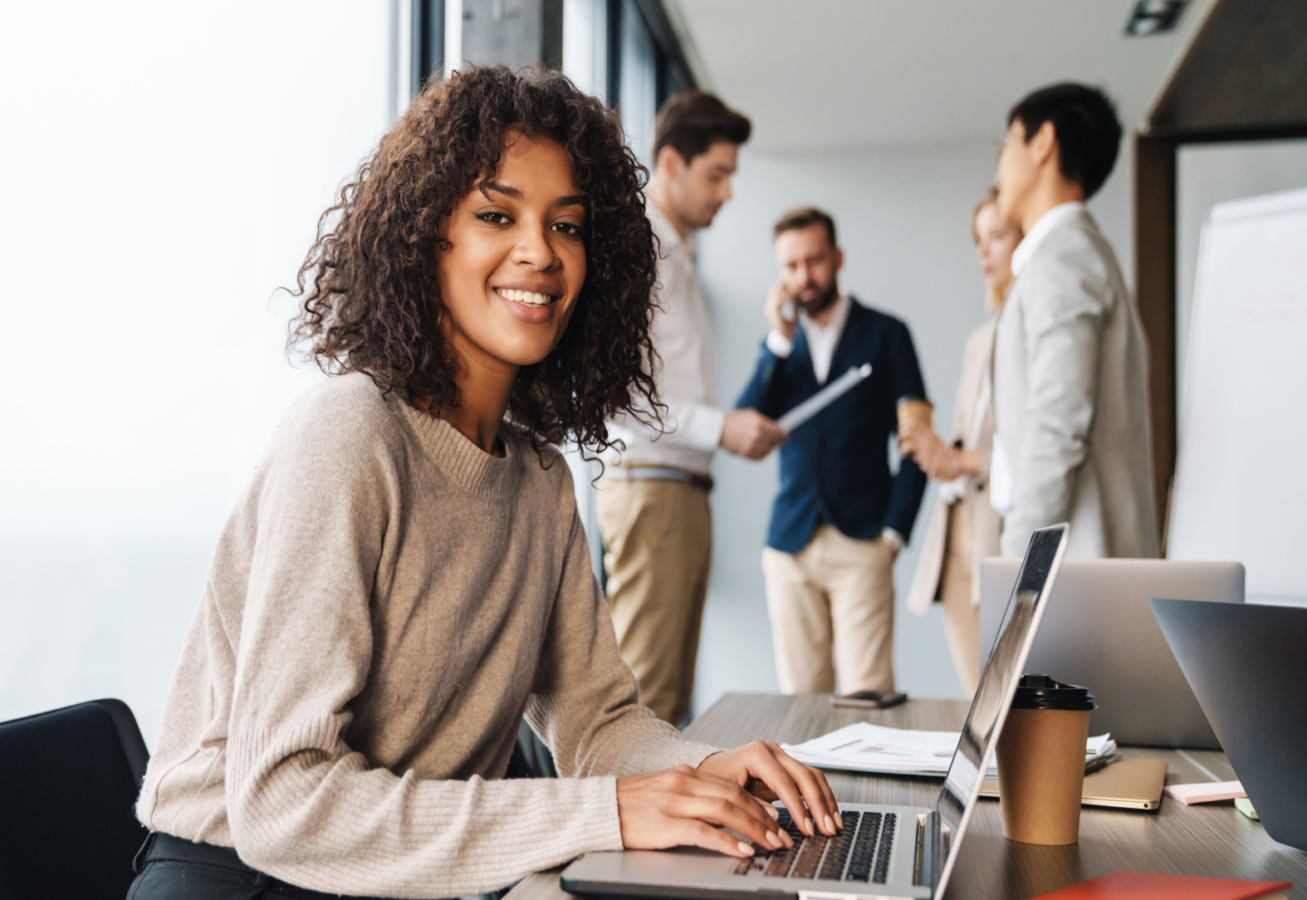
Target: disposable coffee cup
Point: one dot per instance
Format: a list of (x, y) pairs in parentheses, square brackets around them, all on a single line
[(916, 410), (1041, 761)]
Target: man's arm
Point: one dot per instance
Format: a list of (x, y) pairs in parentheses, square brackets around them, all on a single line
[(760, 393), (1062, 330), (910, 482)]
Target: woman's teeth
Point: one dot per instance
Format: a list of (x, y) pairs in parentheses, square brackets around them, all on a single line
[(527, 297)]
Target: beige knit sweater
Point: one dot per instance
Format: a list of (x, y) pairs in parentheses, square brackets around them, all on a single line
[(384, 605)]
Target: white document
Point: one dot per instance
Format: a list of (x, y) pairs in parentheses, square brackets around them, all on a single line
[(824, 397), (864, 747)]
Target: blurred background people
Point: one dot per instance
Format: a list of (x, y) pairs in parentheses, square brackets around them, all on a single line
[(1070, 372), (964, 527), (840, 516), (652, 502)]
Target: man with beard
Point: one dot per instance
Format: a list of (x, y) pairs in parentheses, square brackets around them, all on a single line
[(841, 516)]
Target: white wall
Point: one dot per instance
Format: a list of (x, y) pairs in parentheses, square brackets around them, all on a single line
[(904, 221), (170, 162), (1208, 174)]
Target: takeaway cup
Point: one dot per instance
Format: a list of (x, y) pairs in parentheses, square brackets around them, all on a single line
[(1041, 761)]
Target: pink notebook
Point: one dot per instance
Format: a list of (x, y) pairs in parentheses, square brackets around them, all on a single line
[(1205, 792), (1146, 886)]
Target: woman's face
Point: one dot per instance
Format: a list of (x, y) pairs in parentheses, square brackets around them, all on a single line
[(515, 260), (995, 241)]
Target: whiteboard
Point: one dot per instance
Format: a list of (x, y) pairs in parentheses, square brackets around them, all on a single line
[(1240, 490)]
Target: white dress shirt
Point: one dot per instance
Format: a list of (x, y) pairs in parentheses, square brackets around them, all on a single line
[(1001, 484), (822, 341), (686, 375)]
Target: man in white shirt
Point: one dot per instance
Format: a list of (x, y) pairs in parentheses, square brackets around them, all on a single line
[(841, 515), (1070, 364), (652, 503)]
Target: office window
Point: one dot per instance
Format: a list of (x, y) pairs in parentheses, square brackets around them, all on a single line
[(170, 161)]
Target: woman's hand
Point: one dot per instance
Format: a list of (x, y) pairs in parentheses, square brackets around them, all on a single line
[(770, 773), (690, 807), (919, 441), (938, 460)]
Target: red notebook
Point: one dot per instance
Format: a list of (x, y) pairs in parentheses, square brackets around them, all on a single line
[(1145, 886)]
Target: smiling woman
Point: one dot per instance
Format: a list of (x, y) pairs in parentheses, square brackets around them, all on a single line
[(451, 181), (406, 578)]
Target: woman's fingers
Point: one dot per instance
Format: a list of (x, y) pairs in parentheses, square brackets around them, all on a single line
[(729, 814), (816, 791), (700, 834), (768, 768), (663, 809)]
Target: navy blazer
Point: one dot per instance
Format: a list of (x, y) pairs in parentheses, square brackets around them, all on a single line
[(835, 466)]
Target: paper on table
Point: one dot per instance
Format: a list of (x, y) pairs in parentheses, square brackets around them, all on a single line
[(1205, 792), (824, 397), (864, 747)]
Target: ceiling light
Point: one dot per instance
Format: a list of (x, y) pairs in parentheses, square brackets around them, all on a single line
[(1154, 17)]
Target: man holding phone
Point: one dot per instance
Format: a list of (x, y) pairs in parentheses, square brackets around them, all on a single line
[(841, 516)]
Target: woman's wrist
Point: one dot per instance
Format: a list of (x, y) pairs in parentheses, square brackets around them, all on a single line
[(968, 461)]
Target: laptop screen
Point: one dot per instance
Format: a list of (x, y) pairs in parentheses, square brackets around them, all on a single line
[(998, 685)]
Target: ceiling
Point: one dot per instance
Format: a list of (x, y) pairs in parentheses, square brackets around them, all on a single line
[(846, 74)]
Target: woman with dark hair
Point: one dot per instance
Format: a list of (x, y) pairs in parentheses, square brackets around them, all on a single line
[(406, 577), (965, 528)]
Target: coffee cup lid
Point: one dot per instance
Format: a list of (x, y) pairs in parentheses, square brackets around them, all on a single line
[(1042, 692)]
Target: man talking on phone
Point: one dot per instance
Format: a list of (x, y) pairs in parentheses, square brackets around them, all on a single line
[(841, 516)]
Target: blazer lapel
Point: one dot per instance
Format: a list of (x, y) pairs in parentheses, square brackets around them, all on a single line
[(803, 354), (850, 339)]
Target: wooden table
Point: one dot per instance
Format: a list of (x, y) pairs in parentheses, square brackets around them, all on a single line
[(1211, 839)]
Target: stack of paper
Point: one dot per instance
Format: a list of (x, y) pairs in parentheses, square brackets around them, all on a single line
[(875, 748)]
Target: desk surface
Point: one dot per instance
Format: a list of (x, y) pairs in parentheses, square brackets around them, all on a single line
[(1211, 839)]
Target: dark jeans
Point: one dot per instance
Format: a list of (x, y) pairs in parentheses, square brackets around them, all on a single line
[(171, 869)]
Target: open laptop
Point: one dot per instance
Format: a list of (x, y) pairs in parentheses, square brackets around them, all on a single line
[(1099, 633), (883, 851), (1247, 666)]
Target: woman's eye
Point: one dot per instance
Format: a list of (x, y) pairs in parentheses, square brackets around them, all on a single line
[(493, 218), (568, 228)]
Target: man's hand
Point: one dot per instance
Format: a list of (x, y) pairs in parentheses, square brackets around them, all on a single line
[(748, 433), (775, 308), (691, 807), (769, 772)]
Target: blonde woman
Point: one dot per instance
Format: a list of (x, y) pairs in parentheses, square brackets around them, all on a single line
[(964, 527)]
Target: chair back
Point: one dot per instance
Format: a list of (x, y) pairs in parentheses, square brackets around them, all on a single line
[(68, 784)]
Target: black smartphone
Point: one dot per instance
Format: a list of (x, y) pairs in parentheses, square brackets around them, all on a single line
[(868, 700)]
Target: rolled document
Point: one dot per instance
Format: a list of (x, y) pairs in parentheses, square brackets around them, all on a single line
[(824, 397)]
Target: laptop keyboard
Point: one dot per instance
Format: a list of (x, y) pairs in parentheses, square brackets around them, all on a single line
[(861, 852)]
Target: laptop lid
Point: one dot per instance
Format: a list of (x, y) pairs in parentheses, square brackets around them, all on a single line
[(1247, 666), (998, 684), (1099, 632)]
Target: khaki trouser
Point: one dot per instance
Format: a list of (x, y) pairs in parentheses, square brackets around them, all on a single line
[(961, 616), (836, 594), (657, 550)]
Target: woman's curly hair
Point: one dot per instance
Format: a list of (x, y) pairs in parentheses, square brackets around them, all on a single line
[(373, 302)]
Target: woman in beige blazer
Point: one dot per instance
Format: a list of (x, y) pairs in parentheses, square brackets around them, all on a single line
[(964, 527)]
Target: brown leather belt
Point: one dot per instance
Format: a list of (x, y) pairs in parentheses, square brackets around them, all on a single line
[(659, 473)]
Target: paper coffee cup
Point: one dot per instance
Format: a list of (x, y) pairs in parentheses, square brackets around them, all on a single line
[(914, 409), (1041, 761)]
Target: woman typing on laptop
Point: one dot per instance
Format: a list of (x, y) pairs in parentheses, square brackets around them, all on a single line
[(406, 576)]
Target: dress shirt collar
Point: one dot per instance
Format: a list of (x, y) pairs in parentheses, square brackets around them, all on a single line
[(1063, 212)]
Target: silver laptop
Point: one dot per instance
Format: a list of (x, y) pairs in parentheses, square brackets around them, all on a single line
[(1101, 634), (883, 851)]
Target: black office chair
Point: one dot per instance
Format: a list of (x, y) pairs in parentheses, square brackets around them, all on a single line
[(68, 782)]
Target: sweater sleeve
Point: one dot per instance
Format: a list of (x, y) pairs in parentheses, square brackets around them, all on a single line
[(585, 701), (305, 807)]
